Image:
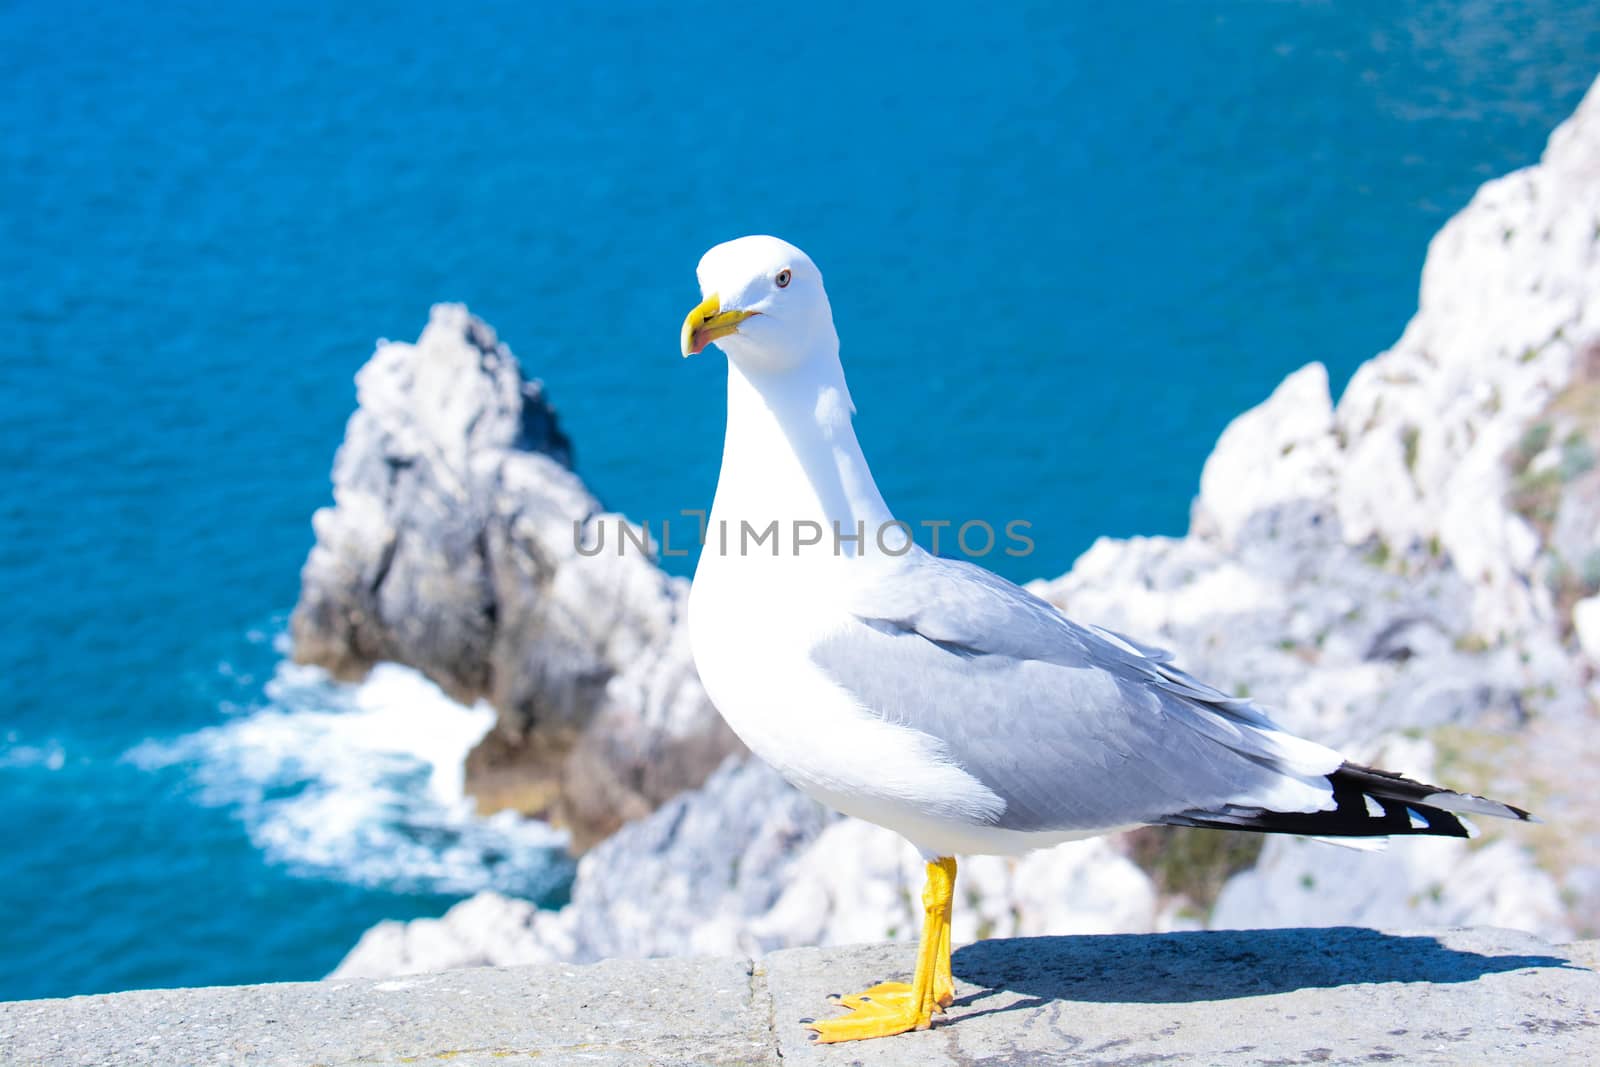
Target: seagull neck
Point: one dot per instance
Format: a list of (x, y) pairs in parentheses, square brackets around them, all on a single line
[(791, 455)]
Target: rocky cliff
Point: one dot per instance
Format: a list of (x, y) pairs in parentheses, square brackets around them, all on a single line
[(450, 547), (1410, 574)]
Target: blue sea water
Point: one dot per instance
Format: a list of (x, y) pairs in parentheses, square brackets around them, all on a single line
[(1066, 243)]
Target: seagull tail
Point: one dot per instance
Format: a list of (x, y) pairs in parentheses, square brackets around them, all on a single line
[(1367, 803)]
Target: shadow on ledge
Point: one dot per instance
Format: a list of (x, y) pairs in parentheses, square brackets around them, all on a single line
[(1216, 964)]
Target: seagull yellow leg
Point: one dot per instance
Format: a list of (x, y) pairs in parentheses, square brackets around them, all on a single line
[(894, 1007), (944, 983)]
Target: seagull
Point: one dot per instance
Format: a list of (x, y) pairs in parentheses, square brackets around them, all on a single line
[(933, 697)]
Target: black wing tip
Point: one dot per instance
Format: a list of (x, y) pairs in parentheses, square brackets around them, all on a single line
[(1405, 807)]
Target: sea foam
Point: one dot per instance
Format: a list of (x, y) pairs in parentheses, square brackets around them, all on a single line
[(363, 783), (16, 754)]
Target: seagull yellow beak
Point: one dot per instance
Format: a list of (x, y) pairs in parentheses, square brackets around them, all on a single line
[(708, 322)]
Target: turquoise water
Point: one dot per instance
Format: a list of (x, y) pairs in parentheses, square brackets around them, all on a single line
[(1065, 244)]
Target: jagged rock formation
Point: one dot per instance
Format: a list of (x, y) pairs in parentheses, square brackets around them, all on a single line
[(1402, 575), (451, 548)]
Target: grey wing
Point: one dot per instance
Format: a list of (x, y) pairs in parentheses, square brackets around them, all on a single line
[(1075, 728)]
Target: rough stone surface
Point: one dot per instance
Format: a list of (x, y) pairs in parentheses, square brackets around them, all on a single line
[(1247, 997), (451, 548), (609, 1014), (1296, 996)]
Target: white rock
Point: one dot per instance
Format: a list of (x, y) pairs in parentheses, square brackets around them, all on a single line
[(484, 931), (1586, 624), (1282, 450), (1421, 881)]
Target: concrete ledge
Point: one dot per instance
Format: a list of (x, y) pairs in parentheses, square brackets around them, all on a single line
[(1276, 996)]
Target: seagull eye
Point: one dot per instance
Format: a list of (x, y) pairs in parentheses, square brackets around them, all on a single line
[(783, 278)]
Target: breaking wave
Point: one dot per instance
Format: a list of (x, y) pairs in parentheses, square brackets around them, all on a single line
[(363, 783)]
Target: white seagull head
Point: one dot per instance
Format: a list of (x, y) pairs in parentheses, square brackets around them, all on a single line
[(763, 304)]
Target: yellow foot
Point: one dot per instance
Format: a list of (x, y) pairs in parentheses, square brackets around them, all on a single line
[(899, 993), (872, 1015)]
